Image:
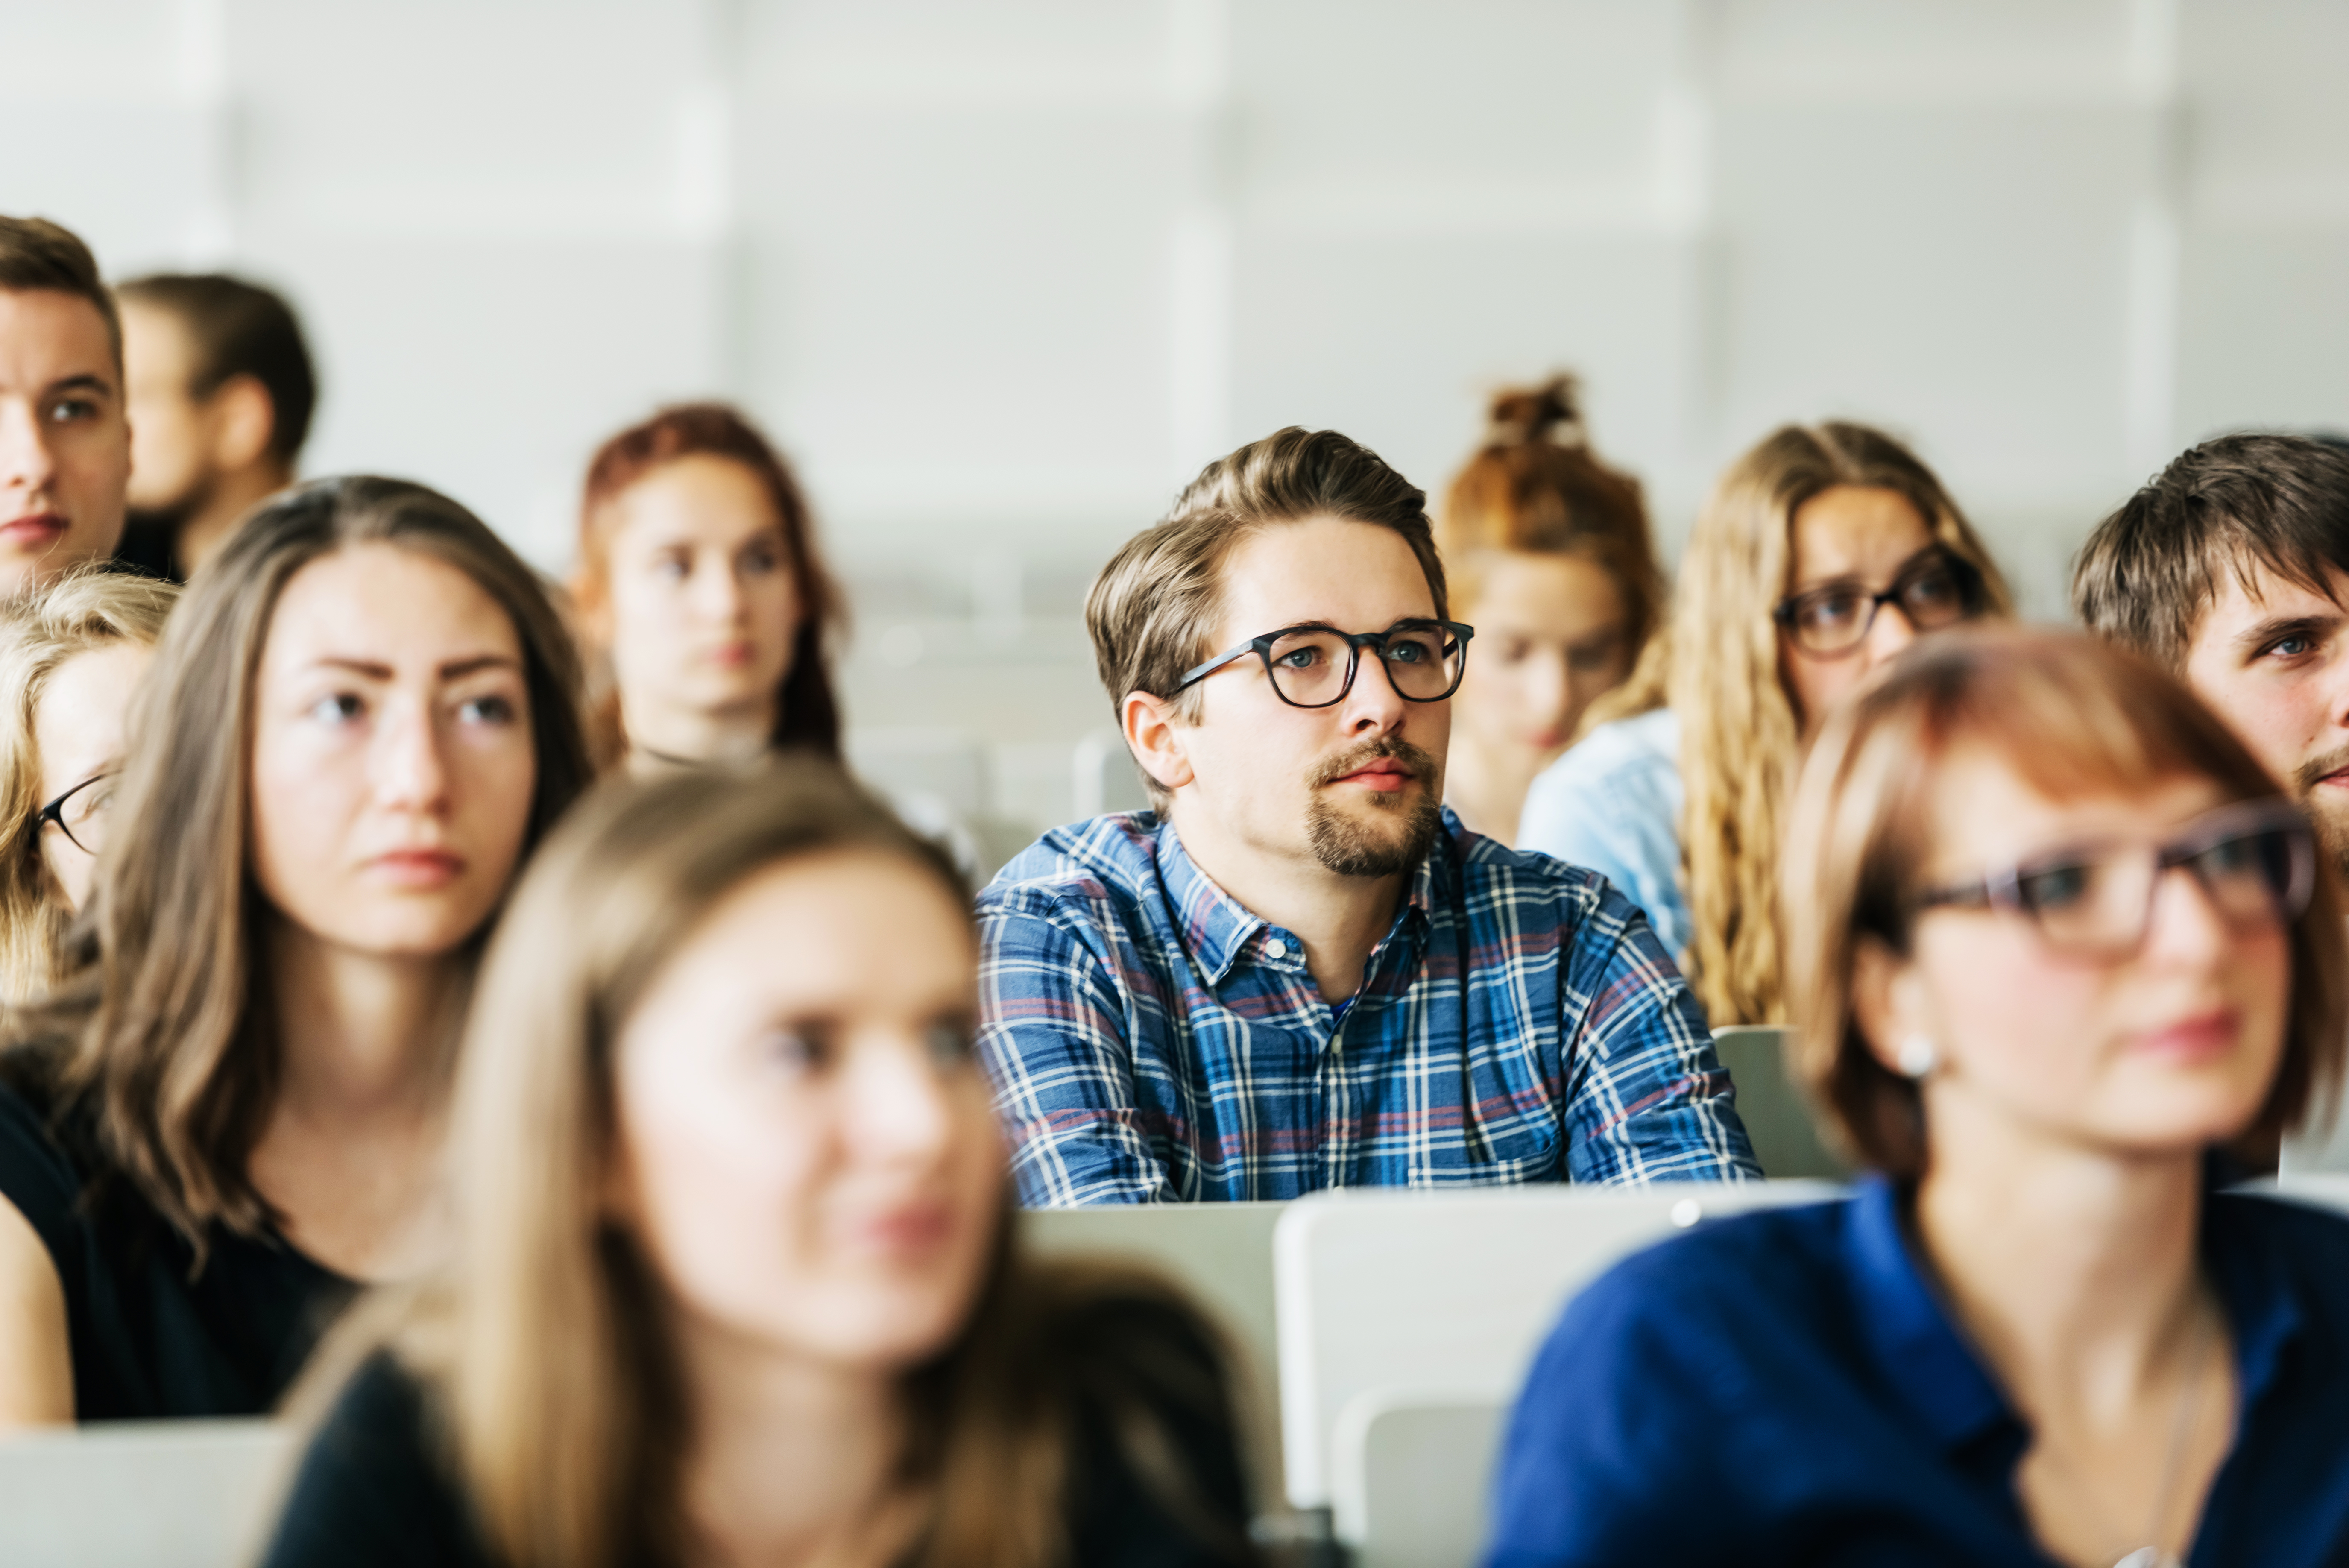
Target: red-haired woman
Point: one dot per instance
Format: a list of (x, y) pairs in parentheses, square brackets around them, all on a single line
[(699, 586)]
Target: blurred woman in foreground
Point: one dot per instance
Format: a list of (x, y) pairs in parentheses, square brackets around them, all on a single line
[(1547, 550), (71, 654), (746, 1292), (2064, 961)]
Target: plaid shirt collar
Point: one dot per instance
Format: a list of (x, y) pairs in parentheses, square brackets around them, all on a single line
[(1220, 930)]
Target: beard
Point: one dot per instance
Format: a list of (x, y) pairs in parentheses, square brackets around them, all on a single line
[(1403, 823), (2332, 830)]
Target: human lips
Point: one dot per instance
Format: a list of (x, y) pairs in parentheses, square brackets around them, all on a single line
[(2199, 1038), (1382, 773), (419, 868), (905, 1229), (35, 528)]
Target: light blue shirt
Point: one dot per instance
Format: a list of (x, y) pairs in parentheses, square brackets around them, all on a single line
[(1612, 803)]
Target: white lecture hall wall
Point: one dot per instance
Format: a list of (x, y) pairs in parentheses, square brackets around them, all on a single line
[(999, 274)]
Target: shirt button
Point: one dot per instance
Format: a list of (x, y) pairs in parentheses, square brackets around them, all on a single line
[(1276, 948)]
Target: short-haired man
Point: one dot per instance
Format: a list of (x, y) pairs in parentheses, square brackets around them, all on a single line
[(2231, 569), (1301, 972), (221, 392), (65, 443)]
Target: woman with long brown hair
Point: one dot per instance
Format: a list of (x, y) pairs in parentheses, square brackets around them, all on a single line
[(1548, 549), (700, 590), (361, 718), (71, 655), (1822, 552), (747, 1292)]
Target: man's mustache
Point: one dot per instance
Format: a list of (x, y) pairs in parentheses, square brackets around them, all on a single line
[(1419, 765), (2317, 769)]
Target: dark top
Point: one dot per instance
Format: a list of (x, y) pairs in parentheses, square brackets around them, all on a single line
[(377, 1489), (1787, 1387), (152, 1336), (150, 549)]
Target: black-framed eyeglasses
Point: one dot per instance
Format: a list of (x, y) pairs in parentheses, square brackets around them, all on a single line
[(81, 812), (2256, 862), (1313, 666), (1936, 587)]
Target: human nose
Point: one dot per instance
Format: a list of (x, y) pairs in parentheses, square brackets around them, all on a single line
[(718, 592), (896, 1110), (1372, 703), (412, 766), (2183, 923), (26, 463), (1892, 631), (1549, 684)]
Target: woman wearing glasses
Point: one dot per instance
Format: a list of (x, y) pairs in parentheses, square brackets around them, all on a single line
[(2065, 964), (70, 657), (1822, 552), (360, 719)]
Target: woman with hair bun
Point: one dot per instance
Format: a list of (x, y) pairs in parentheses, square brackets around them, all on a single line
[(1548, 550), (701, 588)]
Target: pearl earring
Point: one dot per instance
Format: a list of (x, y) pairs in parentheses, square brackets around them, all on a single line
[(1917, 1057)]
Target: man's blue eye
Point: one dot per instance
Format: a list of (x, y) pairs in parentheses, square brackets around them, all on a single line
[(1300, 657), (2293, 646)]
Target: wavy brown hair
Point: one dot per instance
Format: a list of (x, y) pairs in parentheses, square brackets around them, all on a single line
[(543, 1348), (1535, 486), (807, 711), (2071, 716), (1740, 736), (91, 607), (158, 1043)]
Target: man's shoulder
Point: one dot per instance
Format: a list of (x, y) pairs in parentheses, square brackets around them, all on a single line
[(1111, 858), (1491, 874)]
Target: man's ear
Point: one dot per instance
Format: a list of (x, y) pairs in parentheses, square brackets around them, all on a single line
[(1155, 738), (243, 418), (1888, 1000)]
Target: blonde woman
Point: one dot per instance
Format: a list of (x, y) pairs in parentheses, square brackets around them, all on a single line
[(2064, 963), (1822, 552), (747, 1292), (71, 655), (1548, 556)]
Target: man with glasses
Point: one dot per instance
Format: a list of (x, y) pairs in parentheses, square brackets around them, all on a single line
[(1299, 970)]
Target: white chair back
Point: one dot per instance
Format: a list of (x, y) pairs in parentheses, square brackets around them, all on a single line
[(1408, 1478), (166, 1494), (1444, 1296), (1221, 1254), (1777, 1116)]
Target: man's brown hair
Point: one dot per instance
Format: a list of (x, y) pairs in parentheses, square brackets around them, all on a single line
[(37, 254), (1156, 604), (2072, 716), (240, 328), (2150, 571)]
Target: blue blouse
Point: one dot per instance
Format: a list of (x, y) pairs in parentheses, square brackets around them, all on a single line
[(1785, 1387), (1612, 803)]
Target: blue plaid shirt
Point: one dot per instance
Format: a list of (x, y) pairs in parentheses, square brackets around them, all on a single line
[(1151, 1040)]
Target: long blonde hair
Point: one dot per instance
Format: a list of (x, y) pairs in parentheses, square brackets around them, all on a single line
[(1740, 738), (544, 1349), (89, 608)]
